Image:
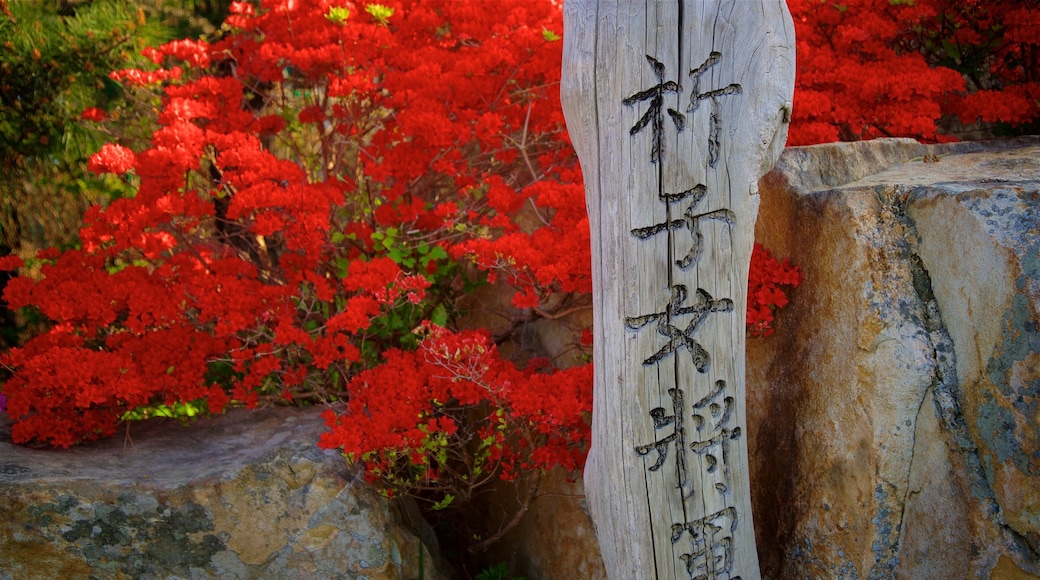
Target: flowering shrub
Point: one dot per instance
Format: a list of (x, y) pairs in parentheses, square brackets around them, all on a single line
[(765, 278), (235, 276), (534, 420), (887, 68)]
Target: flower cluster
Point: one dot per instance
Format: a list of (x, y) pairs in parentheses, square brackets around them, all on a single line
[(765, 278), (112, 158), (886, 68), (409, 420)]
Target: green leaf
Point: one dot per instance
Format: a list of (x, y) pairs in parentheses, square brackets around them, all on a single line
[(342, 265), (338, 14), (448, 498), (380, 13), (438, 253), (550, 36), (439, 316), (399, 254)]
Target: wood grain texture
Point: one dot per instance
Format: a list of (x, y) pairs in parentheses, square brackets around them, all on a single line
[(676, 108)]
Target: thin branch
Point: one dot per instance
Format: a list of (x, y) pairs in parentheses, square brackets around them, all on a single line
[(524, 506), (558, 315)]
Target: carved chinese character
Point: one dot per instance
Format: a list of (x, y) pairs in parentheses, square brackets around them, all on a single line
[(682, 338), (690, 221), (696, 97), (654, 114), (677, 437), (712, 537), (713, 442)]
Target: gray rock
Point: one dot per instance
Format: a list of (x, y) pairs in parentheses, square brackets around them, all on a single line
[(894, 414), (242, 495)]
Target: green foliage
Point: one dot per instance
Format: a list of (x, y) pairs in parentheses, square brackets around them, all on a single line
[(497, 572), (185, 411), (55, 58), (54, 63)]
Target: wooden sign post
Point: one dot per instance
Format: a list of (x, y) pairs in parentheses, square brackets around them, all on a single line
[(676, 109)]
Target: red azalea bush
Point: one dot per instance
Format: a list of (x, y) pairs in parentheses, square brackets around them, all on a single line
[(533, 420), (895, 68), (326, 185), (324, 179)]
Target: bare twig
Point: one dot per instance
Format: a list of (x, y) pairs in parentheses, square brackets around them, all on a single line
[(524, 506), (561, 314)]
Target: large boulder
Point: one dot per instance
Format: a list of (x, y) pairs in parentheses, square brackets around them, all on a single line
[(893, 417), (242, 495)]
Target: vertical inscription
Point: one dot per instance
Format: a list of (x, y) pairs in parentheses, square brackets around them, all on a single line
[(676, 108), (705, 541)]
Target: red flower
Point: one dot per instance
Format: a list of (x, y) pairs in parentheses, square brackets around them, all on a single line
[(112, 159), (93, 114), (11, 263)]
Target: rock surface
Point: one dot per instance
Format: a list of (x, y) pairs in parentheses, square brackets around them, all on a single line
[(243, 495), (894, 415)]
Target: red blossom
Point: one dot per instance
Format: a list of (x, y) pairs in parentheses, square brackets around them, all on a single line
[(112, 158), (765, 277), (8, 263), (93, 114)]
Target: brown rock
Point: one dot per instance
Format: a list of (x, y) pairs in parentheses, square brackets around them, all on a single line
[(556, 538)]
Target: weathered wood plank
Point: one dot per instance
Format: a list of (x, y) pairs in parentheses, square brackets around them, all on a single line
[(676, 108)]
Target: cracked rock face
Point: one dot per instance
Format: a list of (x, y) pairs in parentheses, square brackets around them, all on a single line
[(243, 495), (894, 420)]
